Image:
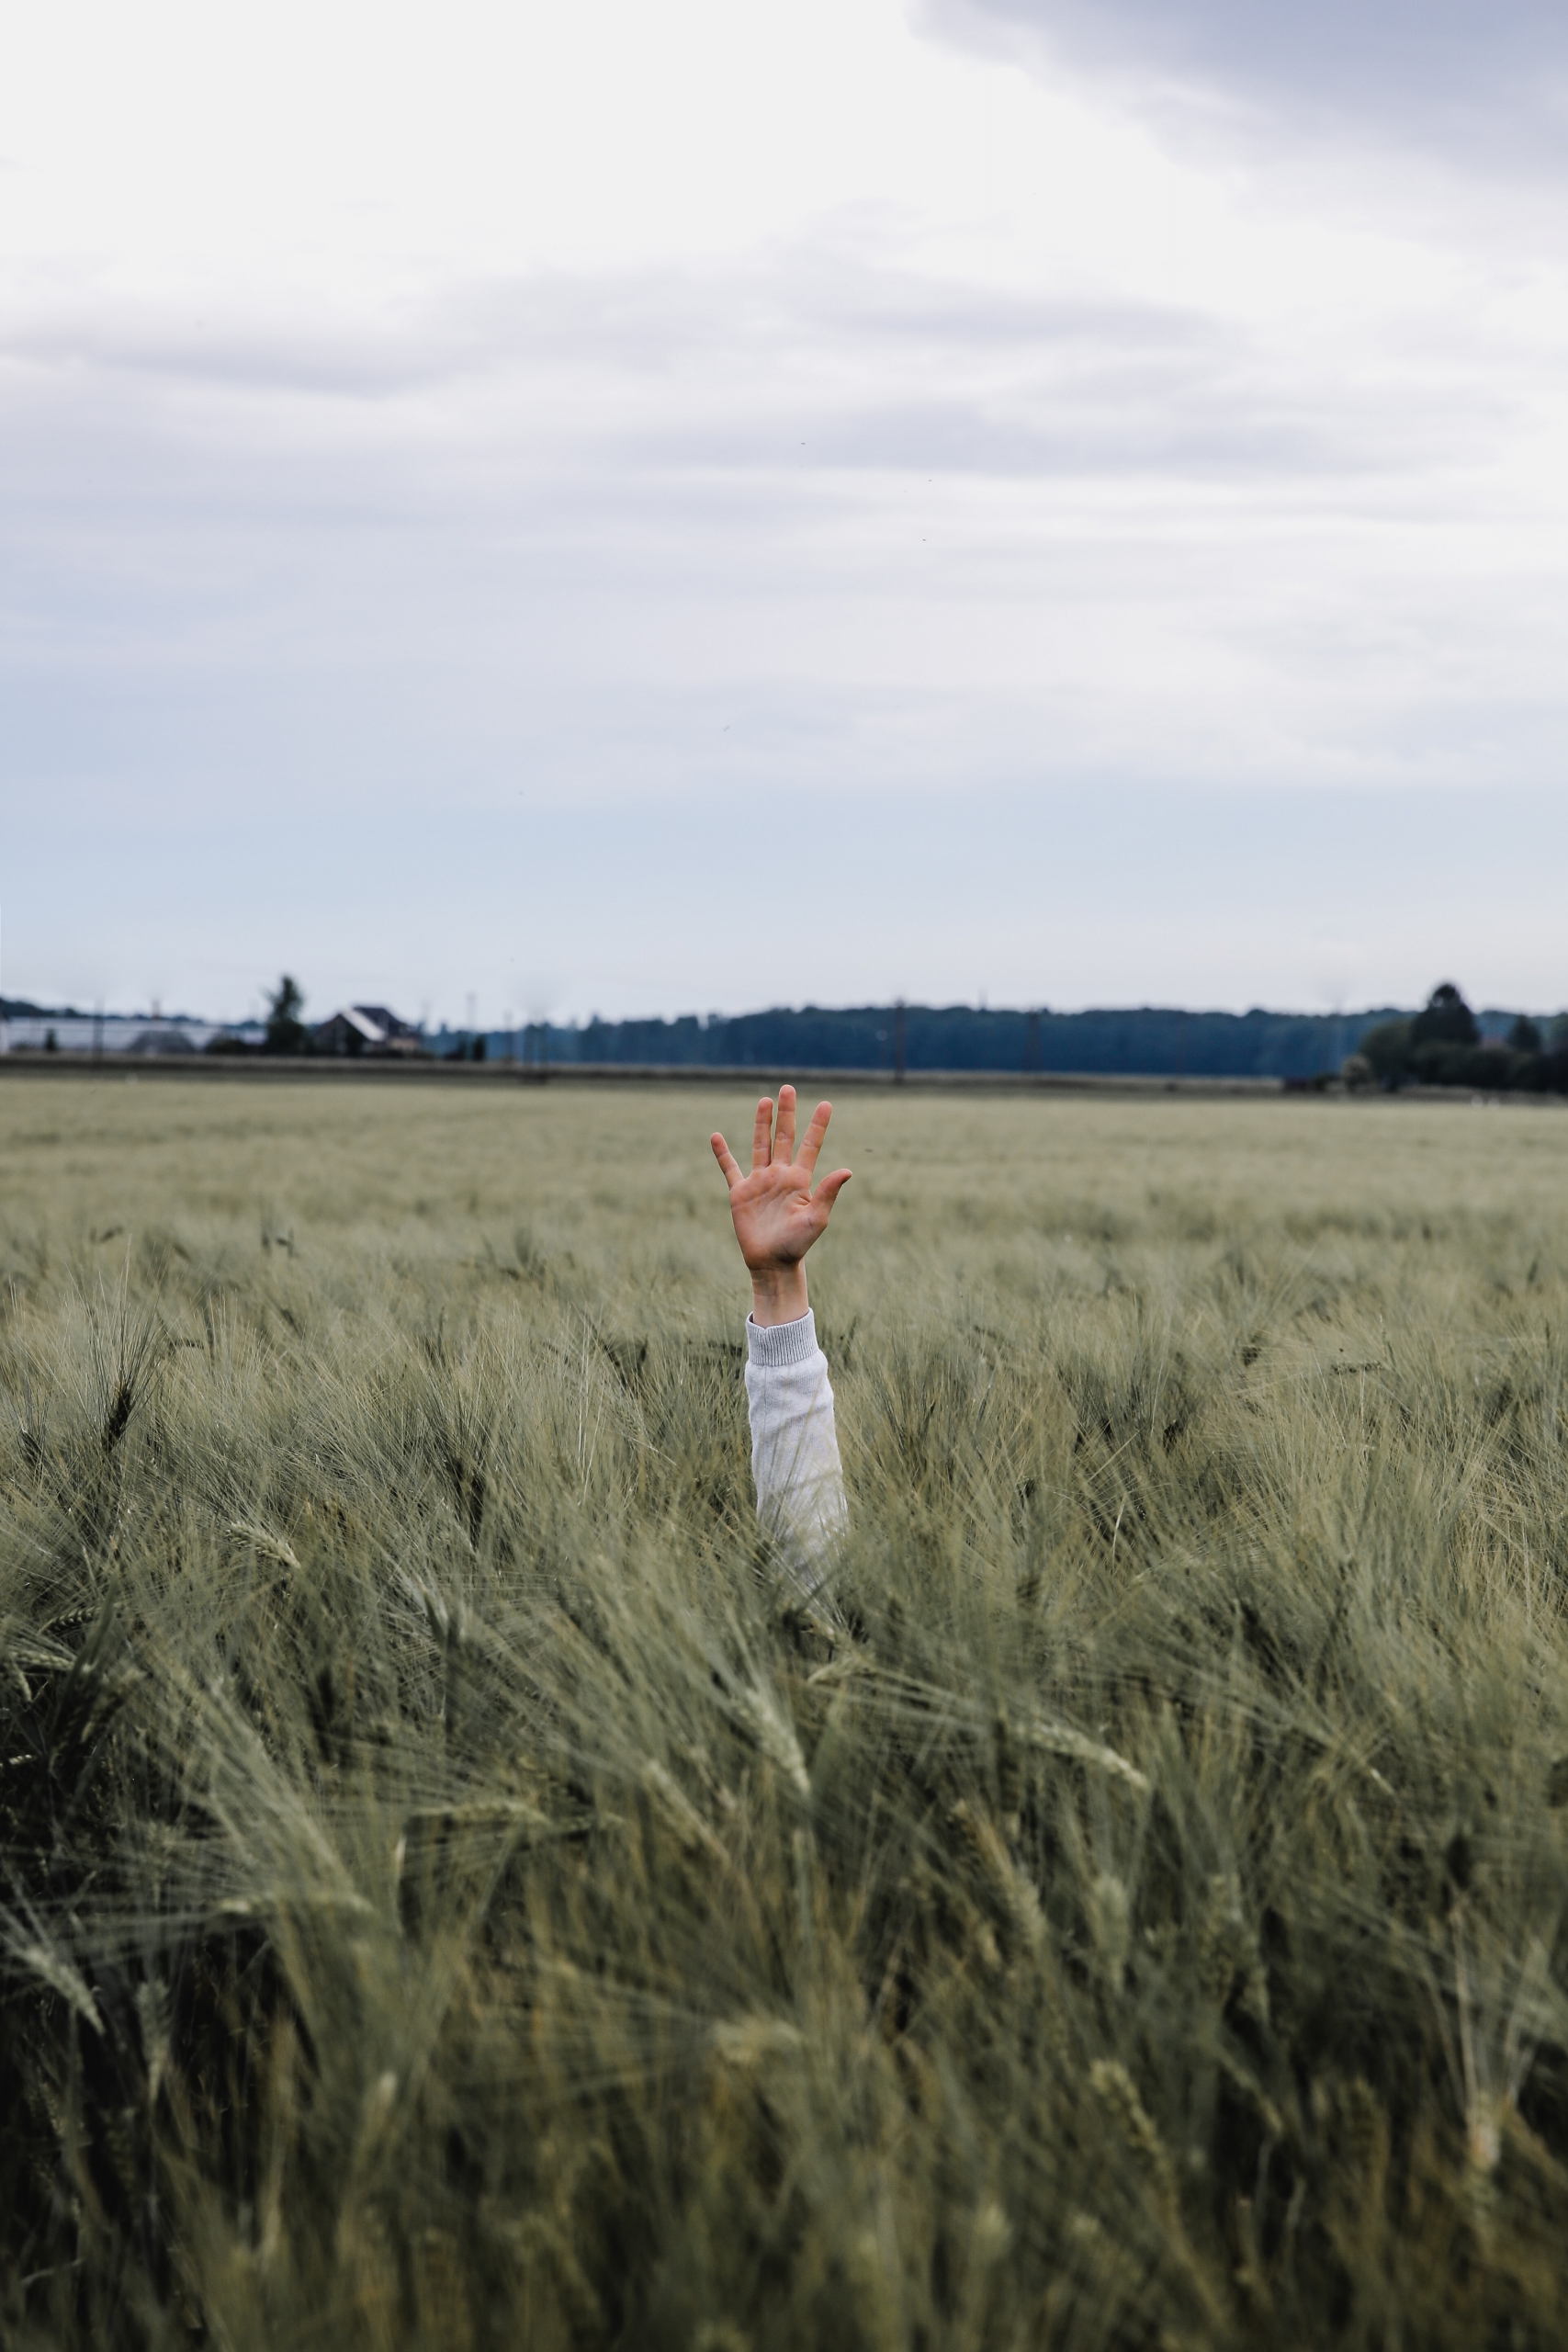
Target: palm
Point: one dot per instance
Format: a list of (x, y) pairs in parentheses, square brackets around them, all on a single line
[(776, 1220), (777, 1216)]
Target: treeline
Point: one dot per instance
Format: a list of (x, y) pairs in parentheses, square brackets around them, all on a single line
[(1146, 1042), (1445, 1044)]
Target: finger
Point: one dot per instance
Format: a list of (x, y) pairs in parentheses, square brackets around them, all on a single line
[(813, 1135), (783, 1140), (728, 1165), (827, 1192), (762, 1134)]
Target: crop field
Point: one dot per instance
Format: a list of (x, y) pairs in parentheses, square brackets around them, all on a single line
[(450, 1896)]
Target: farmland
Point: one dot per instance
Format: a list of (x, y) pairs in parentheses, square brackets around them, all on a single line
[(452, 1897)]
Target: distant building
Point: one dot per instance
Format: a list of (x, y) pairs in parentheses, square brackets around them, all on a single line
[(365, 1029), (102, 1032)]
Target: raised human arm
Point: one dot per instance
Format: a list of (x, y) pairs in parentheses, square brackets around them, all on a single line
[(795, 1446)]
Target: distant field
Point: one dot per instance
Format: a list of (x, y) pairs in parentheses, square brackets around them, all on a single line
[(77, 1154), (449, 1898)]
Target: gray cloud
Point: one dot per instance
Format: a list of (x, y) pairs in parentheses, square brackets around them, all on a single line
[(1482, 81)]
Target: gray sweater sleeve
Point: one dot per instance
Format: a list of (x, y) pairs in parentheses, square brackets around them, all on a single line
[(795, 1447)]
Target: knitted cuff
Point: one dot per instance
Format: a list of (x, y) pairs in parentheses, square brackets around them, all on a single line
[(774, 1345)]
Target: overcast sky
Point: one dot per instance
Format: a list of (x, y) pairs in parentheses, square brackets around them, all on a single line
[(657, 506)]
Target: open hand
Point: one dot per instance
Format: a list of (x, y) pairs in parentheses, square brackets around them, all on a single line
[(777, 1215)]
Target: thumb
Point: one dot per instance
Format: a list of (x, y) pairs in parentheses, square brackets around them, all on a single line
[(827, 1192)]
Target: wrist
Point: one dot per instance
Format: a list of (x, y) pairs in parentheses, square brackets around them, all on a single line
[(778, 1295)]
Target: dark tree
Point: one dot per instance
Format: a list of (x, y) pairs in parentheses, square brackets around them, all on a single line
[(285, 1032), (1523, 1037), (1446, 1020)]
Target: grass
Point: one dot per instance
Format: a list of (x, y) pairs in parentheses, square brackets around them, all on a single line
[(449, 1898)]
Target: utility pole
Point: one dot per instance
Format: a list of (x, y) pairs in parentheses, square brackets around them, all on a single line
[(900, 1054), (1031, 1040)]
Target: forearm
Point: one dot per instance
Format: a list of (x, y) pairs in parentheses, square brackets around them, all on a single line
[(794, 1444)]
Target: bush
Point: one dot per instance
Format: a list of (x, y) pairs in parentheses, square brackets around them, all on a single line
[(1546, 1073), (1387, 1049), (1489, 1068)]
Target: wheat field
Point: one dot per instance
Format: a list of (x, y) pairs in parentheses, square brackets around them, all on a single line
[(451, 1896)]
